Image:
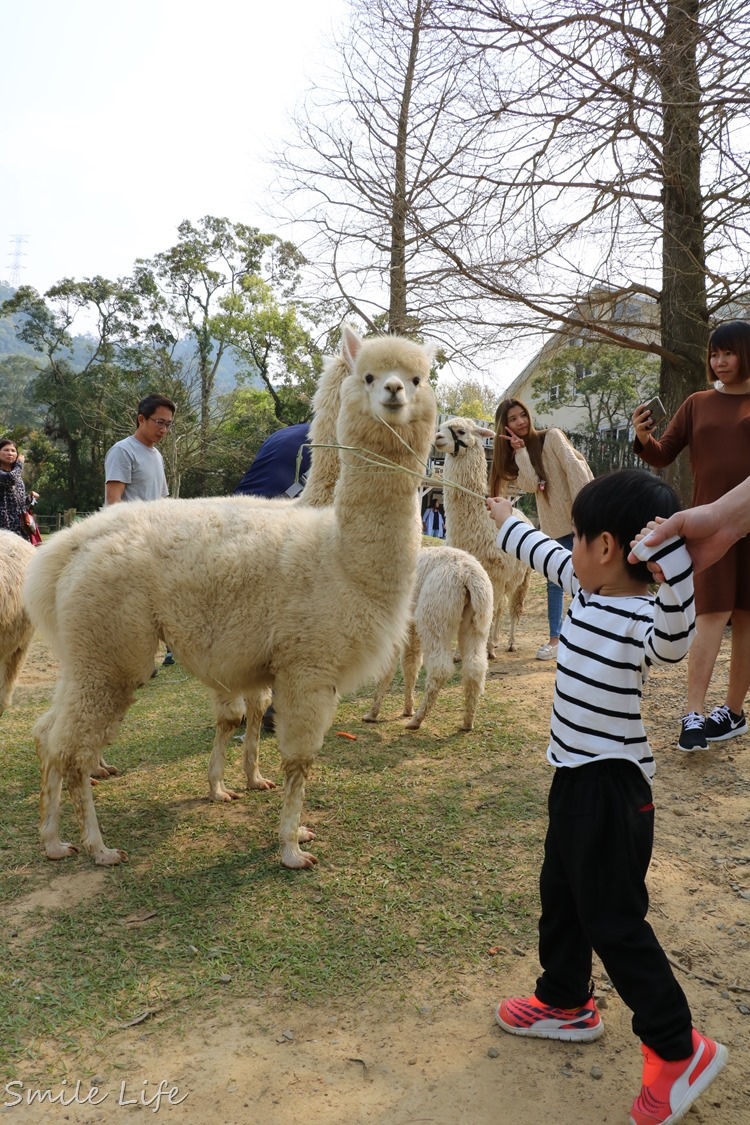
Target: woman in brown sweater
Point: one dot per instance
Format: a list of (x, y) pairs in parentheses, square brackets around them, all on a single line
[(715, 426), (545, 463)]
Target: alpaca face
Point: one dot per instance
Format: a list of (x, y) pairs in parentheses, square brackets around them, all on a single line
[(456, 436), (391, 375)]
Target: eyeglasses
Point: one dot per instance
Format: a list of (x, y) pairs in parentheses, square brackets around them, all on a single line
[(161, 423)]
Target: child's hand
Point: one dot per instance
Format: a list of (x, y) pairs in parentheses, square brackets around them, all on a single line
[(656, 571), (499, 508)]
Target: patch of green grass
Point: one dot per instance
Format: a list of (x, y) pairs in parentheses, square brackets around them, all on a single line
[(428, 841)]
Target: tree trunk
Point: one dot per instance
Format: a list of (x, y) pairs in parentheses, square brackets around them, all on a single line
[(398, 317), (684, 316)]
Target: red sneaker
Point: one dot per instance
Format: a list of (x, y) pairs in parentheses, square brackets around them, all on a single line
[(525, 1015), (670, 1088)]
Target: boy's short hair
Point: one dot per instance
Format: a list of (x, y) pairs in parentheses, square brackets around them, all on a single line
[(152, 402), (622, 503)]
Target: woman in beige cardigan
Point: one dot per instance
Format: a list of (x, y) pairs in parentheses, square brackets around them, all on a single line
[(545, 463)]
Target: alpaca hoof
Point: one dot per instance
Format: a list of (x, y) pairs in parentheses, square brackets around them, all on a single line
[(491, 655), (415, 724), (296, 859), (110, 857), (304, 835), (113, 771), (369, 718), (60, 851), (100, 773), (222, 794), (466, 726), (260, 783)]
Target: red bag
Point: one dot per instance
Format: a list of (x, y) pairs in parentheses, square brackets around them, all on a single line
[(30, 529)]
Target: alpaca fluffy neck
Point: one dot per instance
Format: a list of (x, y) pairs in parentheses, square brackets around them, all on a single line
[(461, 510), (377, 513)]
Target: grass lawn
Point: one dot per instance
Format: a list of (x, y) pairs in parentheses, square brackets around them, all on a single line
[(428, 843)]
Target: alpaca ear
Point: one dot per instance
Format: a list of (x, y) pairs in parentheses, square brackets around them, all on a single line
[(350, 344), (484, 431), (430, 350)]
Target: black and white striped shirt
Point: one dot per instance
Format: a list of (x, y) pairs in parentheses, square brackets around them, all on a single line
[(607, 647)]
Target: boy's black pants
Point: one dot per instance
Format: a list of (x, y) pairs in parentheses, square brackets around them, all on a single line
[(593, 892)]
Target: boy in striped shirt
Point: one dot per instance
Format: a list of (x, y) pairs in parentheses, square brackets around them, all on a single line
[(601, 817)]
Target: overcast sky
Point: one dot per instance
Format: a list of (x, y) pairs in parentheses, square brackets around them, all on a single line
[(121, 118)]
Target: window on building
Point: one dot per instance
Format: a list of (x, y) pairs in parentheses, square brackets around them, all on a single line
[(554, 393)]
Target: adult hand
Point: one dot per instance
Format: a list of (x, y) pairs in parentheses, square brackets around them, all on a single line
[(643, 423), (705, 529)]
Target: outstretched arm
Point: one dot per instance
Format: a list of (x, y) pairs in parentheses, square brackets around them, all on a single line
[(709, 530)]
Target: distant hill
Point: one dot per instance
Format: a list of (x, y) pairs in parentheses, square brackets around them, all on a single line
[(226, 376)]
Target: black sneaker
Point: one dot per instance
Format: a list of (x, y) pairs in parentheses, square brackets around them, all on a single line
[(723, 723), (693, 733), (168, 660)]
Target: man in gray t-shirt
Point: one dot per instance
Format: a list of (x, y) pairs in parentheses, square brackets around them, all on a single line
[(134, 469)]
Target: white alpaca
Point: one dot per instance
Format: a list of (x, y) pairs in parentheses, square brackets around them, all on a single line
[(308, 601), (469, 525), (452, 596), (15, 626)]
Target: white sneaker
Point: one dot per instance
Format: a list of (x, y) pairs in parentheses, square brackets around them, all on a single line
[(547, 652)]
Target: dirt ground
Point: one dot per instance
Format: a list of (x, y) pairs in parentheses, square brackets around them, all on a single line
[(441, 1059)]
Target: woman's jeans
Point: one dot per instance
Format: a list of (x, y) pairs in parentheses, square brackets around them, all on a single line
[(555, 594)]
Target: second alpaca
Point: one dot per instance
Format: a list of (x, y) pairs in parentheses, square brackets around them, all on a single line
[(452, 595), (469, 525)]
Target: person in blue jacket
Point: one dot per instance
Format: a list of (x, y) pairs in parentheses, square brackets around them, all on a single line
[(274, 469)]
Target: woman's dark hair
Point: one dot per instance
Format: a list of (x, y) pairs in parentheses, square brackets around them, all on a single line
[(152, 402), (622, 503), (504, 467), (7, 441), (731, 336)]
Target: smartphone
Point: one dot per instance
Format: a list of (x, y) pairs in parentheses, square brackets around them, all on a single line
[(656, 406)]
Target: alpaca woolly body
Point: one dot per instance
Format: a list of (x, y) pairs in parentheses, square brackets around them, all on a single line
[(452, 597), (468, 523), (308, 601), (15, 625)]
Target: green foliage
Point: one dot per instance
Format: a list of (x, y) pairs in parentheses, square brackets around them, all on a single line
[(225, 290), (18, 412), (467, 398), (604, 383)]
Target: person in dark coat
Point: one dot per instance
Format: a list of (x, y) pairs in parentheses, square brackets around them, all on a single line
[(273, 472)]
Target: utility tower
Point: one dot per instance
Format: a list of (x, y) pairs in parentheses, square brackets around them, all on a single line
[(15, 255)]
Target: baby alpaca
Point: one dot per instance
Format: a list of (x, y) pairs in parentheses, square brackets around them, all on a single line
[(452, 595), (251, 596), (15, 625), (469, 525)]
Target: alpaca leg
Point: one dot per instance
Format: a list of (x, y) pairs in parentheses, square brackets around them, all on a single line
[(304, 714), (497, 617), (49, 808), (255, 707), (9, 669), (411, 662), (69, 739), (385, 683), (228, 713), (473, 675), (439, 671), (82, 798), (516, 602)]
